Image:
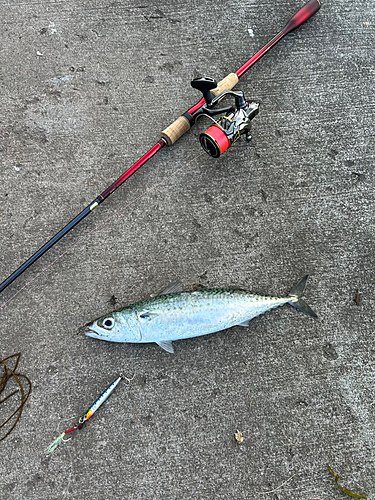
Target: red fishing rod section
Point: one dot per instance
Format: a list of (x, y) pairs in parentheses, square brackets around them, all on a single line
[(178, 128)]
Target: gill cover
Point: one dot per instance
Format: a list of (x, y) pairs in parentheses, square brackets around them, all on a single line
[(118, 326)]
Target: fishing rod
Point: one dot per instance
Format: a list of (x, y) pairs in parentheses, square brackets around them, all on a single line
[(219, 137)]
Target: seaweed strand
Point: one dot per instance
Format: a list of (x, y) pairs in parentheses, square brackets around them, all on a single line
[(345, 490), (7, 375)]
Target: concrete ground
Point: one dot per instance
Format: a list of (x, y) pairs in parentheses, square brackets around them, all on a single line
[(85, 89)]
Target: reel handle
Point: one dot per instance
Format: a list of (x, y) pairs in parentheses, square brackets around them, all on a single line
[(205, 85), (180, 126)]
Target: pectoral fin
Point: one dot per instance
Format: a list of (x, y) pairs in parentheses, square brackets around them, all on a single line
[(147, 315), (166, 345)]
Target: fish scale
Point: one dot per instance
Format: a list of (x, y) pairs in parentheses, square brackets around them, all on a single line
[(175, 314), (191, 314)]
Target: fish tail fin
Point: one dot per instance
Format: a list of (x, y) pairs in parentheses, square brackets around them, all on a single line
[(296, 300)]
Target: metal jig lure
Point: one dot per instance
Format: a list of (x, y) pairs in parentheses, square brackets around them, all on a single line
[(90, 412)]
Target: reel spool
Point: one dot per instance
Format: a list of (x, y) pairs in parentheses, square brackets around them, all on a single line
[(229, 128)]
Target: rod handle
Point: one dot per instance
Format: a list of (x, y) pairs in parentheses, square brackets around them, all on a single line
[(178, 128), (302, 15), (226, 83)]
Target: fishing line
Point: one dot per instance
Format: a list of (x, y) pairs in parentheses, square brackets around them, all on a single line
[(7, 375), (96, 228)]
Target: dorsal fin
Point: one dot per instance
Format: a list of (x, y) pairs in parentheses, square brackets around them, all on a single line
[(174, 288)]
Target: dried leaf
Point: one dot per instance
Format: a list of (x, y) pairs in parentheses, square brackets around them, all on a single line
[(357, 298), (239, 437), (345, 490)]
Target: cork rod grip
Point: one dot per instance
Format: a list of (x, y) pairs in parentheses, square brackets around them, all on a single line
[(175, 130), (178, 128), (226, 84)]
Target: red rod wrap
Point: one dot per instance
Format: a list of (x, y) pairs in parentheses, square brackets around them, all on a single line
[(132, 169)]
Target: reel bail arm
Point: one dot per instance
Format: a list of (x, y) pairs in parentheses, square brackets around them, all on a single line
[(229, 128)]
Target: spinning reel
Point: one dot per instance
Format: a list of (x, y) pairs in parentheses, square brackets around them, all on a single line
[(229, 128)]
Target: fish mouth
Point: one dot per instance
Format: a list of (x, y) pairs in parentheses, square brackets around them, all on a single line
[(91, 333)]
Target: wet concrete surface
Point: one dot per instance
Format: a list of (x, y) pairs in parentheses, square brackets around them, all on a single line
[(86, 88)]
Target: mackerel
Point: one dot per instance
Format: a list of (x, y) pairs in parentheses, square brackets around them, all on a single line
[(175, 314)]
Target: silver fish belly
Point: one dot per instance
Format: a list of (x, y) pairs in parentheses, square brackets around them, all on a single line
[(181, 315), (191, 314)]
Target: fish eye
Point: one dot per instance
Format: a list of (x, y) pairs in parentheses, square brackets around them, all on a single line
[(108, 323)]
